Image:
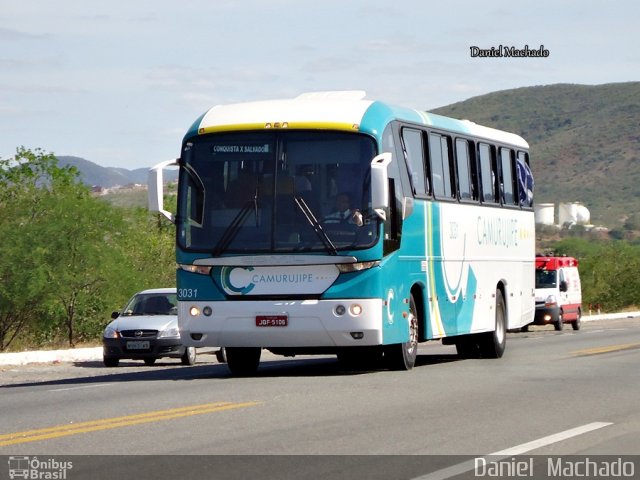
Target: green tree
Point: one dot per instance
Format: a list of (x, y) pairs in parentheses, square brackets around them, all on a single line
[(67, 258), (28, 181)]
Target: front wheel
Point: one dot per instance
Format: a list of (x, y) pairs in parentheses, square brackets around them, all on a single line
[(189, 356), (493, 344), (402, 356), (578, 321), (559, 323), (243, 361)]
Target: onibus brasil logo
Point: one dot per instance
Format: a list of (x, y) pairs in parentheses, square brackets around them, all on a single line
[(35, 468)]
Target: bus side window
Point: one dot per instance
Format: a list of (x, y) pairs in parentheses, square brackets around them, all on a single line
[(488, 173), (507, 184), (465, 181), (440, 162), (414, 155), (525, 180)]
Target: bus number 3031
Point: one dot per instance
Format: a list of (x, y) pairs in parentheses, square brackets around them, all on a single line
[(187, 293)]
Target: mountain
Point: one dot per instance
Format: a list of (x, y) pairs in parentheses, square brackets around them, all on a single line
[(584, 142), (92, 174)]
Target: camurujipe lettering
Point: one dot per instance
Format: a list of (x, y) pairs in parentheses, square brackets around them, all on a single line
[(283, 278), (497, 232)]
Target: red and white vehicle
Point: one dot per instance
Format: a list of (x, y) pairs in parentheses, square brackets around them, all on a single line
[(558, 292)]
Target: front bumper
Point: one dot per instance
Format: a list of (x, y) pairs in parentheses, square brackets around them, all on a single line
[(310, 323), (158, 347), (546, 315)]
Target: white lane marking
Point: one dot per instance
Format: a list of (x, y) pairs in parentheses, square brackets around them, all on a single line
[(469, 465), (78, 388)]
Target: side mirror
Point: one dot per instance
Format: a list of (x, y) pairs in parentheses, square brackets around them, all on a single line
[(380, 184), (563, 286), (115, 315), (156, 188)]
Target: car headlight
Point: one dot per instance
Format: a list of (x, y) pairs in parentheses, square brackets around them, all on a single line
[(550, 301), (172, 332), (110, 332)]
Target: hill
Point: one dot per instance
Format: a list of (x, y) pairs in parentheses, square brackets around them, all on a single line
[(93, 174), (584, 142)]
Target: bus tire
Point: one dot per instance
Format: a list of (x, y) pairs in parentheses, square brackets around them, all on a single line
[(493, 344), (402, 356), (243, 361)]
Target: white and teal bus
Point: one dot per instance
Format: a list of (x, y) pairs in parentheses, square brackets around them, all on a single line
[(333, 224)]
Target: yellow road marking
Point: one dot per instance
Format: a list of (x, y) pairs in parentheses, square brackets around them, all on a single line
[(116, 422), (608, 349)]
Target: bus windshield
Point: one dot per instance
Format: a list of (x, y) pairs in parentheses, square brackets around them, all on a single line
[(276, 191)]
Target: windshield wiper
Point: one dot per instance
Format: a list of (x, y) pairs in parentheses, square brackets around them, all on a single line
[(313, 221), (235, 225)]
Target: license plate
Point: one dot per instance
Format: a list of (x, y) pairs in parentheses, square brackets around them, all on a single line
[(139, 345), (272, 320)]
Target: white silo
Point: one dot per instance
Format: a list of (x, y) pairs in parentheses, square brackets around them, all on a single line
[(567, 213), (544, 213), (583, 215)]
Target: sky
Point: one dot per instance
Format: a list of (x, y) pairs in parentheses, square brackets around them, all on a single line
[(120, 82)]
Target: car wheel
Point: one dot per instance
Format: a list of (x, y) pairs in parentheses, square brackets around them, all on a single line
[(110, 361), (402, 356), (150, 361), (578, 321), (189, 356), (243, 361), (559, 324), (493, 344)]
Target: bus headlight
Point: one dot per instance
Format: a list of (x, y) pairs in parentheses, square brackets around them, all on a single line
[(356, 267), (194, 311)]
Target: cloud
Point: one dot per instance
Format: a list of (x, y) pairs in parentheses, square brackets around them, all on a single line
[(8, 34)]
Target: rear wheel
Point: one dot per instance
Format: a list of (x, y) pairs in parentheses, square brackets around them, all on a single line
[(243, 361), (402, 356), (189, 356), (492, 344)]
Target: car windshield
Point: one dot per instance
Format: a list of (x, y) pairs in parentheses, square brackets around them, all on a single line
[(152, 304), (272, 191), (546, 278)]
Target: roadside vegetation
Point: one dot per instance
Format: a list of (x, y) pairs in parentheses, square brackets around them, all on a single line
[(68, 258)]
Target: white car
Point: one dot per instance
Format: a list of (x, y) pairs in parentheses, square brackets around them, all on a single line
[(146, 329)]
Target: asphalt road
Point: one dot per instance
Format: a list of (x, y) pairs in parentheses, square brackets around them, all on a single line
[(553, 393)]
